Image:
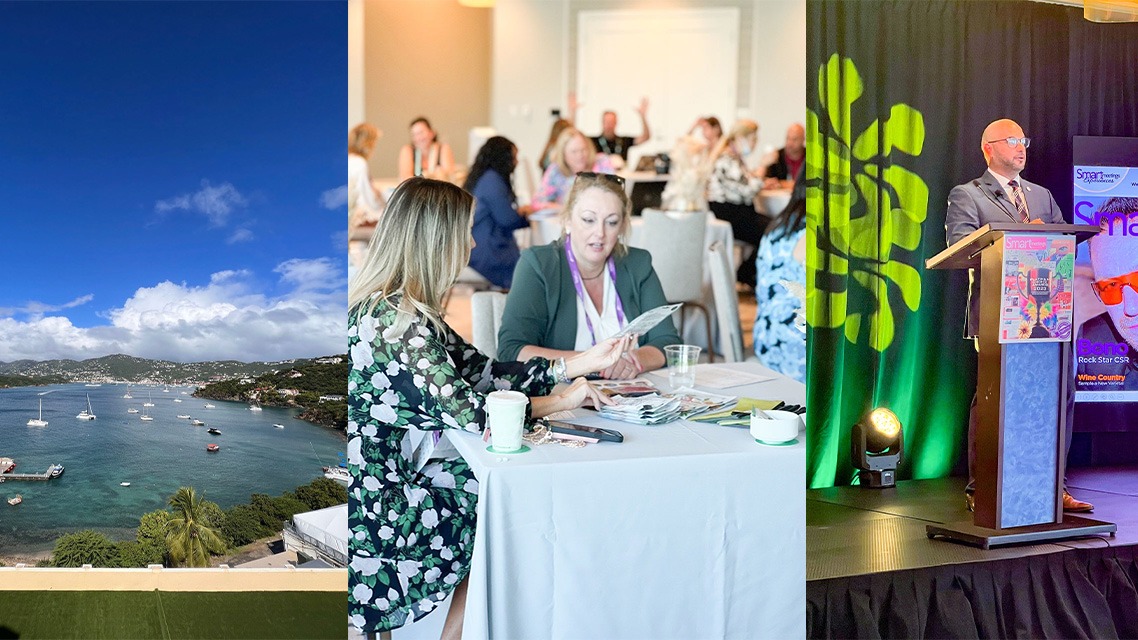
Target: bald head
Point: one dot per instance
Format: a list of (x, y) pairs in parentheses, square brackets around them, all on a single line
[(795, 141), (1002, 158)]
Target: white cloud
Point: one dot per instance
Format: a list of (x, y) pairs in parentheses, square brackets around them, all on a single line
[(228, 318), (335, 198), (240, 235), (36, 308), (216, 203)]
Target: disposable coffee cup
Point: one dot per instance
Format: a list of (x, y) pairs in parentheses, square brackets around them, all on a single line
[(506, 417)]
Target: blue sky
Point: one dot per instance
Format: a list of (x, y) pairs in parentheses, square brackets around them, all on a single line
[(170, 179)]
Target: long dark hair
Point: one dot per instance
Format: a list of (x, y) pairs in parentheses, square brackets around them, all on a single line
[(793, 217), (497, 154)]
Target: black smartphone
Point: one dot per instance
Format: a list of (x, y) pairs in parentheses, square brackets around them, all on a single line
[(607, 435)]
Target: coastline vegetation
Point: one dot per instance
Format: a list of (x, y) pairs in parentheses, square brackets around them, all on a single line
[(318, 388), (194, 529), (7, 382)]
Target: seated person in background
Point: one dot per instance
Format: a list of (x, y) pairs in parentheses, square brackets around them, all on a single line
[(572, 154), (365, 204), (791, 157), (425, 156), (575, 292), (710, 129), (559, 125), (779, 344), (611, 144), (731, 191), (496, 214)]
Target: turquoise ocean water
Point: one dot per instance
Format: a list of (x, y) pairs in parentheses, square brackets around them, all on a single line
[(154, 457)]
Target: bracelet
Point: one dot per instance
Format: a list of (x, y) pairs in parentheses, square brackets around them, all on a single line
[(560, 372)]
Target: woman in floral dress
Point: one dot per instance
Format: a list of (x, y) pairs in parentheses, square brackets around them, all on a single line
[(411, 515), (779, 344)]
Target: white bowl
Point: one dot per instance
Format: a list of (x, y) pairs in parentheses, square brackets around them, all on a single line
[(782, 426)]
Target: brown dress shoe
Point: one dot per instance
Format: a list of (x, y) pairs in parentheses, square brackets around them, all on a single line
[(1078, 506)]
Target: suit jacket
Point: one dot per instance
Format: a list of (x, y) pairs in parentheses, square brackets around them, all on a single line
[(981, 201), (541, 309)]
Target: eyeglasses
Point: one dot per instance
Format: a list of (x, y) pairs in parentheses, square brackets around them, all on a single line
[(611, 177), (1012, 142), (1110, 291)]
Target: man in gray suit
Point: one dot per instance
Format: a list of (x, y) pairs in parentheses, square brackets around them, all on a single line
[(1000, 195)]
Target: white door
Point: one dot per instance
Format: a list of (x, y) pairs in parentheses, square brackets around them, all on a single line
[(685, 61)]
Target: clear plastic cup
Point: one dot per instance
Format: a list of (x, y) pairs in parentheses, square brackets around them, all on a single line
[(680, 359)]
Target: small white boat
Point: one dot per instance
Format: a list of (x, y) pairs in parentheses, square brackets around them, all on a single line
[(166, 390), (92, 385), (149, 402), (177, 399), (255, 407), (124, 484), (145, 416), (87, 414), (208, 406), (132, 410), (197, 423), (339, 474), (55, 470), (15, 501), (279, 426), (127, 394), (40, 422), (183, 416)]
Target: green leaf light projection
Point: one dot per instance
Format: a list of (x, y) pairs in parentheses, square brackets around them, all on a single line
[(864, 212)]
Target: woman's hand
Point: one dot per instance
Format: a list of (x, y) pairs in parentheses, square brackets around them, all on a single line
[(579, 393), (600, 356), (625, 368)]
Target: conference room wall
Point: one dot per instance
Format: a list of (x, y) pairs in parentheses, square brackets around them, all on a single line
[(424, 58)]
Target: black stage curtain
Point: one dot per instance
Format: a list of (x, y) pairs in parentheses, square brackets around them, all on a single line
[(1082, 593)]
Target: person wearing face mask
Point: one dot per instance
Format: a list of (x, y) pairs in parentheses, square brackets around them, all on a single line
[(571, 154), (585, 287), (731, 191)]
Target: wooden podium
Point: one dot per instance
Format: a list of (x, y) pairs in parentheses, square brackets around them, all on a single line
[(1021, 400)]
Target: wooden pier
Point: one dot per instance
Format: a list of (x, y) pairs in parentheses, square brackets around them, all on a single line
[(46, 475)]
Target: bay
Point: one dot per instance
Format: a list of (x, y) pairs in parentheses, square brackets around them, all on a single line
[(155, 457)]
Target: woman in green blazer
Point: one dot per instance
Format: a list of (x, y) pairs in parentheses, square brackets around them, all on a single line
[(585, 287)]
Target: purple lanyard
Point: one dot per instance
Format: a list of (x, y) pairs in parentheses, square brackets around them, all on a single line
[(579, 285)]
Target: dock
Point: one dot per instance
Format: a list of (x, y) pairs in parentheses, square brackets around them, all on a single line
[(46, 475)]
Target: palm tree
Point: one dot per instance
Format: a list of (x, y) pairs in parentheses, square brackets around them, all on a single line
[(189, 537)]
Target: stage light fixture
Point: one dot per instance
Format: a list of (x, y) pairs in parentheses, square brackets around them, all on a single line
[(876, 444)]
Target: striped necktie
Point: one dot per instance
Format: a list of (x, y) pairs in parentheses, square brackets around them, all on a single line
[(1017, 198)]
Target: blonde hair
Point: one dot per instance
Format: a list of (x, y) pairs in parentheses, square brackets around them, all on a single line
[(362, 139), (421, 245), (557, 156), (605, 182), (741, 129)]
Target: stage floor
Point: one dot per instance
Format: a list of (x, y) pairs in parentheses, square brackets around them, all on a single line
[(853, 531)]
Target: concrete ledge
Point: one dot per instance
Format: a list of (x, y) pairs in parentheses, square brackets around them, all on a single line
[(156, 577)]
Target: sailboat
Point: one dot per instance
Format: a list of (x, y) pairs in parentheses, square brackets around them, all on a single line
[(40, 422), (87, 414), (145, 415), (166, 389), (127, 394), (149, 402)]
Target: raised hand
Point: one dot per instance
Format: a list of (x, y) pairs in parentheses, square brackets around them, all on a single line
[(581, 392)]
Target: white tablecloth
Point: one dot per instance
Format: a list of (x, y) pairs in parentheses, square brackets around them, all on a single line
[(684, 530)]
